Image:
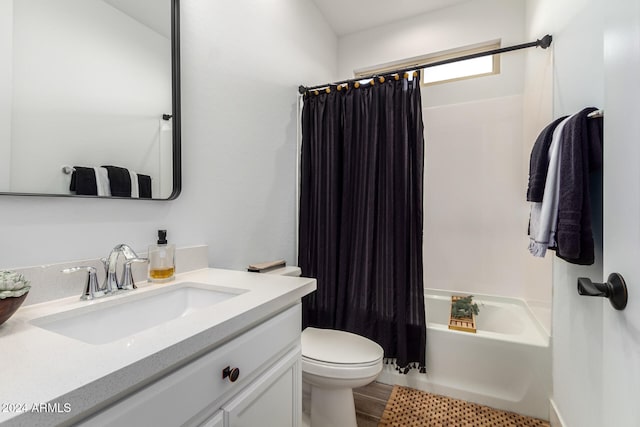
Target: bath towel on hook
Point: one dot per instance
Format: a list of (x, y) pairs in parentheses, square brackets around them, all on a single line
[(562, 219)]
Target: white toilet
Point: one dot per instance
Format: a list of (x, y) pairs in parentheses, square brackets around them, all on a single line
[(334, 363)]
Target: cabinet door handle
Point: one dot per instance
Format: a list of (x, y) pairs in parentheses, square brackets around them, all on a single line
[(233, 374)]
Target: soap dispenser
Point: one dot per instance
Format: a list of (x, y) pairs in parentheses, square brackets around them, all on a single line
[(161, 259)]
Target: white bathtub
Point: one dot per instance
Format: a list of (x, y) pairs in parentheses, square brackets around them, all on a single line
[(505, 365)]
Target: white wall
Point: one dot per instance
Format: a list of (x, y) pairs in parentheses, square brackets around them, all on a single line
[(475, 174), (578, 71), (90, 87), (6, 93), (241, 65)]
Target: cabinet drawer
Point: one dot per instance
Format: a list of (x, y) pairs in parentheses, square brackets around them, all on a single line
[(177, 397)]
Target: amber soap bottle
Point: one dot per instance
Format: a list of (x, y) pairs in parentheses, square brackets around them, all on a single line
[(162, 259)]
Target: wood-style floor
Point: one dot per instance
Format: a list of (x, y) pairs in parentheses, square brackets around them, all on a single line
[(370, 402)]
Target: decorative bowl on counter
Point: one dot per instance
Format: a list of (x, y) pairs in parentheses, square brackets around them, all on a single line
[(13, 291)]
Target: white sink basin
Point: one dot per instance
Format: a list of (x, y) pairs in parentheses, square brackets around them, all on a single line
[(108, 321)]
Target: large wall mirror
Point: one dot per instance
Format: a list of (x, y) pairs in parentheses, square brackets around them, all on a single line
[(86, 84)]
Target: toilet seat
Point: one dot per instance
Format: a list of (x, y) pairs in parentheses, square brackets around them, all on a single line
[(337, 354), (343, 372)]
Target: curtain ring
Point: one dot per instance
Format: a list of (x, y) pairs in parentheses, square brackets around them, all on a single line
[(328, 90), (356, 85), (381, 79), (396, 77), (316, 92), (372, 82)]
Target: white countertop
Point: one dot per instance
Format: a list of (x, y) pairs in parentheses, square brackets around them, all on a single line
[(39, 367)]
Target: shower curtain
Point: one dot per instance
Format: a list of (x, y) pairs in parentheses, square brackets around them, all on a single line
[(361, 215)]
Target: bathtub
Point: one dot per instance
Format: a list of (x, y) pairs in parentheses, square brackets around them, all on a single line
[(505, 365)]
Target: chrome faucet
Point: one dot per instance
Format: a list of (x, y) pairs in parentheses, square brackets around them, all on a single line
[(111, 281)]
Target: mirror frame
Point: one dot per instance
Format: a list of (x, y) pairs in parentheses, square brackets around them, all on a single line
[(176, 121), (175, 101)]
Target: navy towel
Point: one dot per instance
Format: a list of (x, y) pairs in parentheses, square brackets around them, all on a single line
[(83, 181), (539, 162), (144, 186), (119, 180), (581, 154)]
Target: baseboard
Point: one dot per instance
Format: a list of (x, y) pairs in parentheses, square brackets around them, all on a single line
[(555, 420)]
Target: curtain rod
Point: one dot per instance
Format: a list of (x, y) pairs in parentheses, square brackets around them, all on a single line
[(544, 43)]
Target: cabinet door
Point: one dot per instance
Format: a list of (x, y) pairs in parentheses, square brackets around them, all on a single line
[(216, 421), (273, 400)]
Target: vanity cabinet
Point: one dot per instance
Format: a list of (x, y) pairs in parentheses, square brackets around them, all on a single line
[(265, 391)]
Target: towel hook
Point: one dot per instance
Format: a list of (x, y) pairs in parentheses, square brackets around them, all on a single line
[(615, 289)]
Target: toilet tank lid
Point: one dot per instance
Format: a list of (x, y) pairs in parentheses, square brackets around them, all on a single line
[(328, 345), (291, 270)]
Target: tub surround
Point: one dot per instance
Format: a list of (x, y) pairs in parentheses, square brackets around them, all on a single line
[(81, 378)]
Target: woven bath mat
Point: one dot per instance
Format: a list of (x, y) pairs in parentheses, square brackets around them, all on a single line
[(408, 407)]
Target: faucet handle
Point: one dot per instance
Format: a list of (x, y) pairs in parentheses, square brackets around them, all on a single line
[(91, 289), (127, 276)]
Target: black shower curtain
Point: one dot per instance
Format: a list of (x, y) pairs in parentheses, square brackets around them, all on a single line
[(361, 215)]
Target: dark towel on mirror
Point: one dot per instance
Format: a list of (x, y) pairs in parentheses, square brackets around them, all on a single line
[(144, 186), (83, 181), (581, 154), (119, 181), (539, 162)]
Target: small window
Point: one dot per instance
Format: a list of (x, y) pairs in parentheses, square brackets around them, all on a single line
[(476, 67), (470, 68)]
